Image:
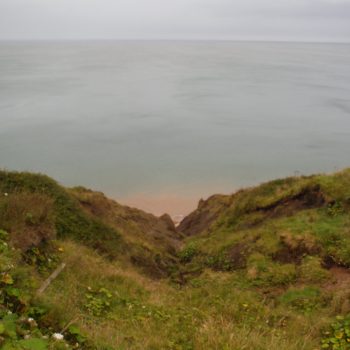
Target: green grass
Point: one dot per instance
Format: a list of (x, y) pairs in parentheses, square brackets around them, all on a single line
[(70, 220), (259, 276)]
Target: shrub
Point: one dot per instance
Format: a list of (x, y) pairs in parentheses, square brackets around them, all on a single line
[(98, 302), (188, 253)]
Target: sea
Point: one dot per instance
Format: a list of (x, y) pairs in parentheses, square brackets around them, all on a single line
[(160, 124)]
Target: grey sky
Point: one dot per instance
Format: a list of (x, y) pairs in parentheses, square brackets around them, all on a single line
[(319, 20)]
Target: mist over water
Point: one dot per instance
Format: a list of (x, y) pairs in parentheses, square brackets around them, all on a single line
[(161, 124)]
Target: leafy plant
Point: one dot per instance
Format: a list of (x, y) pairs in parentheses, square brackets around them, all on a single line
[(33, 344), (75, 335), (338, 336), (98, 302), (188, 253), (335, 209), (44, 257), (12, 328)]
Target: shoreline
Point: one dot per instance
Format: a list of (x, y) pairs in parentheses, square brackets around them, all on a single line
[(177, 206), (175, 202)]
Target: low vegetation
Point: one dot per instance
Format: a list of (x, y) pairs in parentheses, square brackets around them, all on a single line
[(264, 268)]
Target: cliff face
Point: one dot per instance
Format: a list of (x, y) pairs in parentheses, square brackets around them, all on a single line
[(134, 224), (279, 198), (283, 220), (88, 217), (207, 212)]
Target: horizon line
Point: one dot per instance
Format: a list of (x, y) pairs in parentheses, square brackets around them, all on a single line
[(307, 41)]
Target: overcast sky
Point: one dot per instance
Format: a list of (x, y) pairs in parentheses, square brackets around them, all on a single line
[(318, 20)]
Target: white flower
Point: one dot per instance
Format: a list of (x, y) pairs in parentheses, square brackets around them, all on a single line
[(30, 319), (57, 336), (6, 194)]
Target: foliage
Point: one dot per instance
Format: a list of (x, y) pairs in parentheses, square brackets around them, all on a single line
[(254, 278), (338, 336), (188, 253), (44, 257), (98, 302), (334, 209), (75, 335), (70, 220), (21, 325)]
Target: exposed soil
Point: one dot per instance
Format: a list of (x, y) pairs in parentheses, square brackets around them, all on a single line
[(340, 279), (206, 213), (237, 255), (202, 218), (294, 248), (308, 198)]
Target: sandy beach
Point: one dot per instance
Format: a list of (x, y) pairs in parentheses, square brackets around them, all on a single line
[(177, 206)]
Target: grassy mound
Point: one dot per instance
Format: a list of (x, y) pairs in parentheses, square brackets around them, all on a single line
[(283, 220), (68, 219), (36, 208)]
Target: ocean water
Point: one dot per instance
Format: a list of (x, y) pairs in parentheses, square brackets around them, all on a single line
[(161, 124)]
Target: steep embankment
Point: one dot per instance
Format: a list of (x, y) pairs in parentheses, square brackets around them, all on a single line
[(264, 268), (283, 220), (51, 211)]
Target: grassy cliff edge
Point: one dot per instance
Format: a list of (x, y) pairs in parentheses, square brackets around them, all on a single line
[(263, 268)]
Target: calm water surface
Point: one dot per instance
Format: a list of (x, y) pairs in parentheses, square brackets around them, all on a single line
[(160, 124)]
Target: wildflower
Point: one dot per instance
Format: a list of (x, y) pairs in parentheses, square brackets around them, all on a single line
[(30, 319), (57, 336), (339, 335)]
